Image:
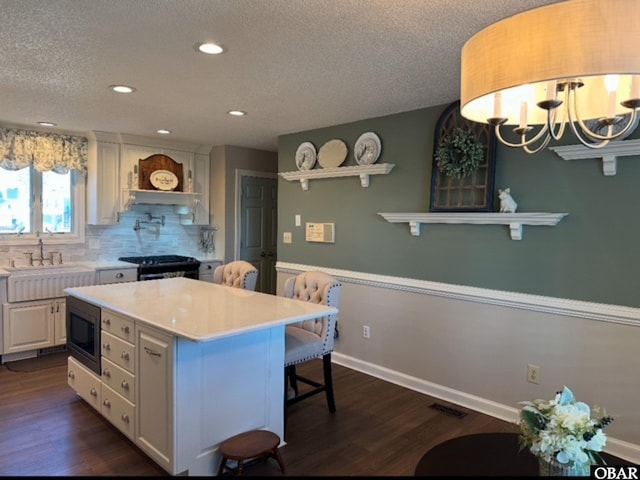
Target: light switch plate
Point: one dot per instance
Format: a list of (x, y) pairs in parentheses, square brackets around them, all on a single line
[(298, 220)]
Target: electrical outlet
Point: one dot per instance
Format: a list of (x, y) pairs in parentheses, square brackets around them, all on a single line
[(366, 331), (286, 237), (533, 374)]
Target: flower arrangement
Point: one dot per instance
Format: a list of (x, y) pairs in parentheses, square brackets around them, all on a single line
[(459, 154), (562, 430)]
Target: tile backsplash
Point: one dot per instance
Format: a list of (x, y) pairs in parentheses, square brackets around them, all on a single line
[(104, 243)]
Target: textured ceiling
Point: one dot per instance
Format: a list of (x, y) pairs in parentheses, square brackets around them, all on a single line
[(293, 65)]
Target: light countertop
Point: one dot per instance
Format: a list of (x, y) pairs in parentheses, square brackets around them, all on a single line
[(196, 310)]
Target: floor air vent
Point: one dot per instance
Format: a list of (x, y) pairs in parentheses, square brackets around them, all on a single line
[(452, 412)]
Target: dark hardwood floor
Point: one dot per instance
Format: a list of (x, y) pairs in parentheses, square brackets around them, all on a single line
[(378, 429)]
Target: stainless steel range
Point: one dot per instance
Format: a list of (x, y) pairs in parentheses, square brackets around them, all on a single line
[(164, 266)]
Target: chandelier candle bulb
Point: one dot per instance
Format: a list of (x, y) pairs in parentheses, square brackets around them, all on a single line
[(551, 90), (497, 105), (523, 115)]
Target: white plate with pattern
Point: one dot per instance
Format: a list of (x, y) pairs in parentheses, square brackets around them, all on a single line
[(367, 149), (305, 156)]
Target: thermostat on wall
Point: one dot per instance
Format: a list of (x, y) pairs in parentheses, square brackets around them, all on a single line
[(320, 232)]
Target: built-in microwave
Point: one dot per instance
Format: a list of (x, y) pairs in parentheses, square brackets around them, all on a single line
[(83, 333)]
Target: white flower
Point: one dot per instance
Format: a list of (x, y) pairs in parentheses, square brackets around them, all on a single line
[(562, 429)]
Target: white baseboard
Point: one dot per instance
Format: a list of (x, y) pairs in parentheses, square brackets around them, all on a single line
[(619, 448)]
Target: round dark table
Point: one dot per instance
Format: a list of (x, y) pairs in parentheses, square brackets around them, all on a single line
[(480, 454), (485, 454)]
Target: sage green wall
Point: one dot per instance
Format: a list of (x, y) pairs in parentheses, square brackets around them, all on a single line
[(590, 255)]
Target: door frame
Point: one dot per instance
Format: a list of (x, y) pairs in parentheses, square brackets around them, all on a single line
[(238, 200)]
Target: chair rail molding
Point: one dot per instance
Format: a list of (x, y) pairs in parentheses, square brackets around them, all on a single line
[(362, 171), (608, 154), (515, 221)]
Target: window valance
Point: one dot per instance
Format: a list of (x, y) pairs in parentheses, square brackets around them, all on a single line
[(45, 151)]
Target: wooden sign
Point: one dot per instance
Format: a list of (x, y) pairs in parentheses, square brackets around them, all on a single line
[(154, 163)]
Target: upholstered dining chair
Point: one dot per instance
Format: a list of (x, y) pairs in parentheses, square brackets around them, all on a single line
[(311, 339), (238, 274)]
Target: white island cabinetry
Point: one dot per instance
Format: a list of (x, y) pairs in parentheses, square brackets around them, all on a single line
[(186, 348)]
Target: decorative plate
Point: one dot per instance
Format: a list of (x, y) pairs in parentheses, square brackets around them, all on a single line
[(332, 154), (367, 149), (163, 180), (305, 156)]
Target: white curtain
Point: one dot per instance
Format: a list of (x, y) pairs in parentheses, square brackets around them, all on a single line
[(46, 151)]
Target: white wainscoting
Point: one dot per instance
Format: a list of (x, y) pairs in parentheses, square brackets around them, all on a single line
[(471, 346)]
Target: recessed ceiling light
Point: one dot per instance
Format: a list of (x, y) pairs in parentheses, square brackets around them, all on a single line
[(122, 88), (163, 131), (47, 124), (237, 113), (209, 48)]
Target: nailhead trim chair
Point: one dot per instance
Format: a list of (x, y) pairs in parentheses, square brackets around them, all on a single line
[(311, 339), (238, 274)]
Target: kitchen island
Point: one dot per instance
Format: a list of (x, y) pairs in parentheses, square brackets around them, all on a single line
[(187, 364)]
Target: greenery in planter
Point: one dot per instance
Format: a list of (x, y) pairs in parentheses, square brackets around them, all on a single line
[(459, 154)]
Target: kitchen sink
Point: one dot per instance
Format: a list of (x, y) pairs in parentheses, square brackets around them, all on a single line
[(47, 281)]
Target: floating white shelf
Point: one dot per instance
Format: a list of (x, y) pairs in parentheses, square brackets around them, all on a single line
[(608, 154), (158, 197), (514, 220), (362, 171)]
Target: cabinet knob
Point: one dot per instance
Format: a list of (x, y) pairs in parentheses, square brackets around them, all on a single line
[(93, 392), (107, 321), (106, 372), (106, 403), (125, 329), (125, 356), (106, 346), (71, 374), (125, 418), (119, 275), (125, 385)]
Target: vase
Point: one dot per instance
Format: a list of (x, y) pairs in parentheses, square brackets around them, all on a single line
[(556, 469)]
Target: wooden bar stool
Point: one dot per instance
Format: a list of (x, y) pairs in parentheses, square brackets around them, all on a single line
[(249, 445)]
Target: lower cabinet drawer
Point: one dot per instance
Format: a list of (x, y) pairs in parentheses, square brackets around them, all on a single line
[(118, 351), (118, 411), (120, 380), (86, 383)]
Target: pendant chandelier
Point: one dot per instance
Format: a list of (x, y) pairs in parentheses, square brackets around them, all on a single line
[(576, 63)]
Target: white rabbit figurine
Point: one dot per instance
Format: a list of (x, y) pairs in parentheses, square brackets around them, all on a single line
[(507, 203)]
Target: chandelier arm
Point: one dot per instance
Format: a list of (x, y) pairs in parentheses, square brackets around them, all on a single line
[(596, 136), (584, 141), (524, 142), (551, 122), (540, 147)]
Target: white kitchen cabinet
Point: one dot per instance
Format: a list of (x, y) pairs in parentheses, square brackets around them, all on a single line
[(118, 275), (33, 325), (118, 372), (205, 273), (155, 352), (103, 188), (84, 382)]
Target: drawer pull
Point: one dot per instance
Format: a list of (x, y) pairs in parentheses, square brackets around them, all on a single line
[(93, 392), (106, 346), (125, 385), (119, 275), (125, 356), (71, 374), (106, 372), (153, 353), (125, 418), (107, 321), (106, 403), (125, 329)]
